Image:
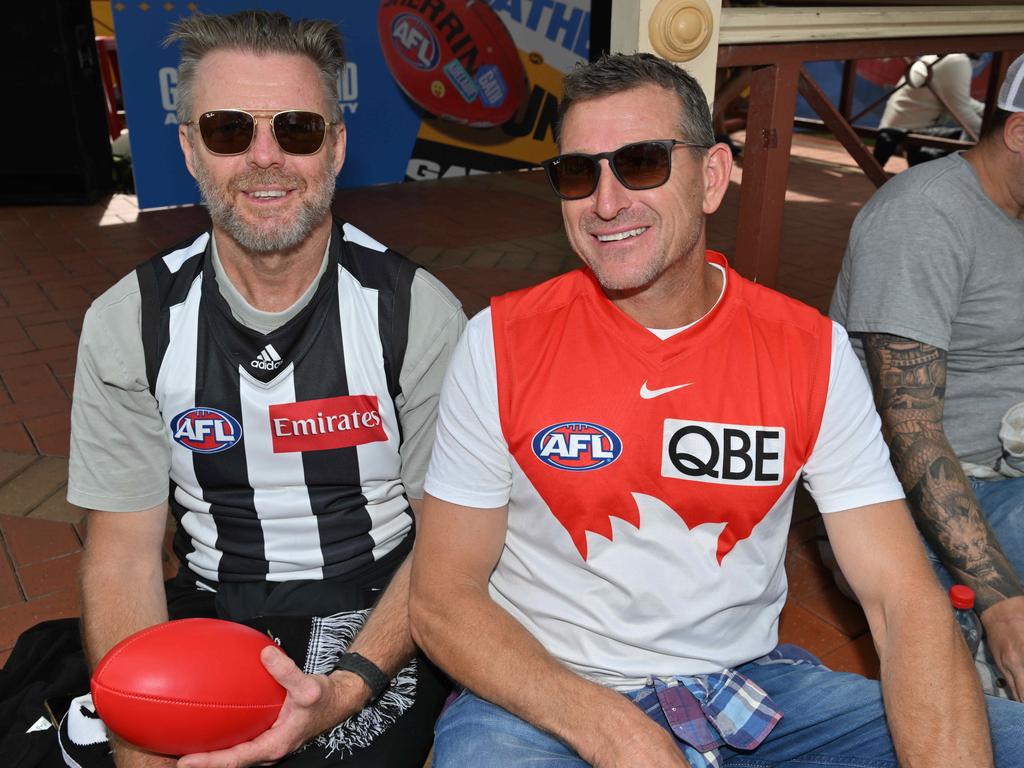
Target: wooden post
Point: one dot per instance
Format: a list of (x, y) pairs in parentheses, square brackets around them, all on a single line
[(765, 168)]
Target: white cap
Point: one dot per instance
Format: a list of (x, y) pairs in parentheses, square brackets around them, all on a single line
[(1011, 435), (1011, 95)]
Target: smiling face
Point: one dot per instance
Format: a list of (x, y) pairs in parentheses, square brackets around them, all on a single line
[(633, 240), (267, 201)]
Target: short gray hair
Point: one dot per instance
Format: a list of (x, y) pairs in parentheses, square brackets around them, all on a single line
[(617, 72), (260, 33)]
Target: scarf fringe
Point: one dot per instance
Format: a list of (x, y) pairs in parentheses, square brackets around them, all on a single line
[(330, 637)]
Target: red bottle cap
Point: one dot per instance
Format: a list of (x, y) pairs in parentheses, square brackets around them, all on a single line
[(961, 596)]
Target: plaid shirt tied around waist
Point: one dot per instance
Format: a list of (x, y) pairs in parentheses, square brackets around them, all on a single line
[(706, 712)]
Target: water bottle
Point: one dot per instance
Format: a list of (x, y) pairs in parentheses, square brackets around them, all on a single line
[(962, 599)]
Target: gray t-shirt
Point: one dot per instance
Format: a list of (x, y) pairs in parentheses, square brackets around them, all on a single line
[(120, 457), (933, 259)]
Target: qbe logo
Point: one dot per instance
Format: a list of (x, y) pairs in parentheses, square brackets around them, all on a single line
[(733, 454), (206, 430), (415, 42), (577, 446)]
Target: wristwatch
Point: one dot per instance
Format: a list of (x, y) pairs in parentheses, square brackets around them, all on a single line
[(371, 674)]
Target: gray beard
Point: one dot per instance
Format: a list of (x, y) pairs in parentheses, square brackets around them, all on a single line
[(253, 239), (654, 270)]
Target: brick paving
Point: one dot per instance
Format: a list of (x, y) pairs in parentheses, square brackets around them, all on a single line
[(481, 235)]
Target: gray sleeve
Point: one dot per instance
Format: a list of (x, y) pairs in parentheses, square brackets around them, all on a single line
[(119, 459), (436, 322), (904, 270)]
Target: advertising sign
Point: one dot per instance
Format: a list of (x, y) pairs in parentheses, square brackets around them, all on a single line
[(390, 137)]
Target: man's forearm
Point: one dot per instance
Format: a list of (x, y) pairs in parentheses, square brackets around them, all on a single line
[(122, 585), (482, 647), (909, 382), (385, 638), (120, 598), (949, 516), (114, 608), (122, 593), (478, 643), (933, 703)]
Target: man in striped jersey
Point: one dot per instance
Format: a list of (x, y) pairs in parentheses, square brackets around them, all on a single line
[(272, 382)]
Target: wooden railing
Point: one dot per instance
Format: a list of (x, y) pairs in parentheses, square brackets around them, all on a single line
[(770, 46)]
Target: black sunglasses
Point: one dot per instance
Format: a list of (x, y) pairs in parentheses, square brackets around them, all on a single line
[(231, 131), (641, 165)]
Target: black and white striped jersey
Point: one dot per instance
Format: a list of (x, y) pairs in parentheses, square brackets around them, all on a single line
[(285, 459)]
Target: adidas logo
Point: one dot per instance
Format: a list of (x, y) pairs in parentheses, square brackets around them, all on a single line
[(267, 359)]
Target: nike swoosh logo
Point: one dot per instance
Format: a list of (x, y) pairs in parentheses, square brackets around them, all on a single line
[(648, 394)]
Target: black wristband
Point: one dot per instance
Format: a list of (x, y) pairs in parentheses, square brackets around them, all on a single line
[(371, 674)]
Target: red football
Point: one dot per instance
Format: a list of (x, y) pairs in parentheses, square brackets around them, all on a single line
[(454, 58), (192, 685)]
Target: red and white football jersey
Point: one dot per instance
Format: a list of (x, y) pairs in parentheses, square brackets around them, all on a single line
[(650, 482)]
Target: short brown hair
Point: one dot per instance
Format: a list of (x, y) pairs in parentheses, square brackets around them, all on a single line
[(258, 32), (618, 72)]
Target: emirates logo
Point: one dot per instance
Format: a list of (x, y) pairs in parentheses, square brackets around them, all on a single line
[(323, 425)]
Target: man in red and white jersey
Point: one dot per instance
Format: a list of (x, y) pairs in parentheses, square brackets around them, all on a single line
[(600, 562)]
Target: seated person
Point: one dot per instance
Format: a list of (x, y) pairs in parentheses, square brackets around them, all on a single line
[(932, 293), (935, 91), (279, 373), (600, 560)]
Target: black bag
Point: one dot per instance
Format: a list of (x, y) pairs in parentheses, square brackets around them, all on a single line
[(46, 669)]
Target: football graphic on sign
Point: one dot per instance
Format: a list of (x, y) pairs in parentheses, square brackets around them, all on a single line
[(454, 58)]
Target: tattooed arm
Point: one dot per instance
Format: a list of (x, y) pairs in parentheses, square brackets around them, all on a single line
[(909, 382)]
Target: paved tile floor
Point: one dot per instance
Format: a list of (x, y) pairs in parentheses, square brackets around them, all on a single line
[(481, 235)]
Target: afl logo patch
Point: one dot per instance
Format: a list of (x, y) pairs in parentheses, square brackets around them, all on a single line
[(413, 39), (577, 446), (205, 430)]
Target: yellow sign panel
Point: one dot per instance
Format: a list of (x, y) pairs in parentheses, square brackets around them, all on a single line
[(102, 18), (528, 137)]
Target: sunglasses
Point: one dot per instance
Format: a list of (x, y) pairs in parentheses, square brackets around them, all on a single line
[(231, 131), (641, 165)]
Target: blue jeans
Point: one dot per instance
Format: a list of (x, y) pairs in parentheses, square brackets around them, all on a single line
[(1002, 503), (833, 719)]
